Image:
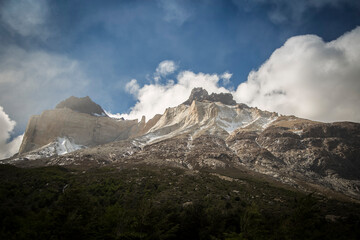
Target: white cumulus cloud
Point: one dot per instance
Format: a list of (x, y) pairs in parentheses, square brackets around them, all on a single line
[(306, 77), (309, 78), (155, 98), (7, 149), (132, 87), (165, 68), (226, 77)]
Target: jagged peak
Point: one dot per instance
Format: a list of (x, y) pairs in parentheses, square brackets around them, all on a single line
[(201, 95), (82, 105), (197, 94)]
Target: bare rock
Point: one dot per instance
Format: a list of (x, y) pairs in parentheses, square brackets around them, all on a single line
[(82, 105), (82, 128), (200, 95)]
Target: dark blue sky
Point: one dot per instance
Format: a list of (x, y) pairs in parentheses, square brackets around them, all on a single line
[(120, 40), (116, 41)]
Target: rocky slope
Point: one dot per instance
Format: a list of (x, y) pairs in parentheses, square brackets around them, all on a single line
[(325, 154), (211, 133)]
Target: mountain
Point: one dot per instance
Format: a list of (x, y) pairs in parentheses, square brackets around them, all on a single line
[(209, 168), (82, 105), (200, 95), (205, 133), (84, 129)]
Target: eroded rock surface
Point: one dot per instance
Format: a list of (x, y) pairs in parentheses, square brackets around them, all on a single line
[(321, 153)]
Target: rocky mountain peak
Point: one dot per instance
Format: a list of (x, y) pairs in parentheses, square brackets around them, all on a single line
[(82, 105), (201, 95), (197, 94), (206, 132)]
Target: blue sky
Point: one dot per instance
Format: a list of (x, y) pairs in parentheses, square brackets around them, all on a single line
[(50, 50)]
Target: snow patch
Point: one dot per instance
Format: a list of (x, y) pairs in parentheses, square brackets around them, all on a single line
[(151, 138), (59, 147), (228, 119), (116, 116), (64, 145), (299, 132), (229, 126), (99, 115), (270, 122)]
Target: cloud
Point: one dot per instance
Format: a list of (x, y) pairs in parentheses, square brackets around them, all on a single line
[(7, 149), (31, 81), (132, 87), (306, 77), (226, 77), (165, 68), (175, 11), (309, 78), (155, 98), (26, 17)]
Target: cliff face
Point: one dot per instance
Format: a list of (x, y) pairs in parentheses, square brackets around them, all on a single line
[(84, 129)]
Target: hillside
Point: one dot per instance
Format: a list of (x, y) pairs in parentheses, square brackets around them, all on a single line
[(147, 202), (209, 168)]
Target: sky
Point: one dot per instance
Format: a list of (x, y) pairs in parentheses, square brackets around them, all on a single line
[(137, 57)]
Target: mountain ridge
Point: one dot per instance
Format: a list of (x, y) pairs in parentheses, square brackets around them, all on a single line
[(207, 134), (199, 94)]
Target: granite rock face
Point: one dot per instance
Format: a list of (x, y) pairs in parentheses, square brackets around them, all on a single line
[(82, 105), (83, 122), (82, 128), (200, 95)]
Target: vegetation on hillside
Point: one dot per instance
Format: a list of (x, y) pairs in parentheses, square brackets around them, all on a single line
[(162, 203)]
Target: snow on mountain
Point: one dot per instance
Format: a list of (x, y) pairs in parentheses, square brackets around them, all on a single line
[(61, 146), (206, 131), (208, 117)]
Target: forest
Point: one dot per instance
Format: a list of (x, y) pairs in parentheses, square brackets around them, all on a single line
[(146, 202)]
